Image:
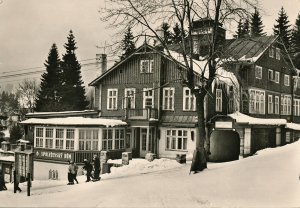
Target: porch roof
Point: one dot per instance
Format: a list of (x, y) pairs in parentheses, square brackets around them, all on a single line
[(179, 121), (81, 121), (293, 126), (245, 119)]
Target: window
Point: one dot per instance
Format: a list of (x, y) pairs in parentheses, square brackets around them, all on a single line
[(297, 107), (59, 138), (176, 139), (119, 138), (146, 66), (88, 139), (276, 77), (148, 98), (277, 53), (112, 95), (270, 104), (49, 138), (129, 98), (189, 100), (276, 105), (270, 75), (258, 72), (218, 100), (271, 52), (39, 137), (107, 139), (288, 137), (231, 100), (70, 139), (168, 98), (286, 80), (257, 101), (286, 104)]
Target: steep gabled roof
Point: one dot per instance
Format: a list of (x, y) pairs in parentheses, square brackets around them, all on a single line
[(142, 48), (247, 49)]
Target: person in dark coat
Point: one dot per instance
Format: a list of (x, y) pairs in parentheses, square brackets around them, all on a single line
[(76, 170), (2, 182), (89, 168), (97, 167)]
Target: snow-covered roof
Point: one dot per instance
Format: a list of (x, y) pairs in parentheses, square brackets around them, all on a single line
[(8, 158), (293, 126), (242, 118), (60, 112), (23, 141), (76, 121)]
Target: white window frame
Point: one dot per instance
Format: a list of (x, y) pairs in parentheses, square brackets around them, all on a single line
[(146, 66), (257, 101), (168, 98), (276, 105), (270, 104), (107, 138), (70, 138), (176, 139), (218, 100), (119, 138), (129, 97), (146, 96), (286, 101), (270, 74), (59, 138), (258, 72), (277, 77), (189, 100), (88, 139), (49, 138), (297, 107), (39, 137), (271, 52), (286, 80), (278, 53), (112, 99)]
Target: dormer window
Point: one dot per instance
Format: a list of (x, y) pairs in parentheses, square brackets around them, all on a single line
[(270, 75), (258, 72), (277, 53), (146, 66), (271, 52), (286, 80)]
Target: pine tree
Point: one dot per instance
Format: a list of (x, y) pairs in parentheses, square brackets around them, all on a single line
[(128, 45), (167, 34), (296, 36), (73, 92), (282, 28), (239, 32), (177, 37), (256, 24), (49, 95), (245, 29), (16, 133)]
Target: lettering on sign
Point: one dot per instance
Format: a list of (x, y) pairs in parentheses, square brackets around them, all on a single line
[(46, 154)]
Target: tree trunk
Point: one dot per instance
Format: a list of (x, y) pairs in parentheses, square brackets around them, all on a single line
[(199, 161)]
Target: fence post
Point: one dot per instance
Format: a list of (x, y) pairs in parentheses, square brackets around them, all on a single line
[(15, 182), (28, 184)]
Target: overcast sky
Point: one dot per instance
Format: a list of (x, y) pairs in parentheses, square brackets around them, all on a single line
[(30, 27)]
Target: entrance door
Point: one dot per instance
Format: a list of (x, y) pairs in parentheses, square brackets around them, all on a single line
[(144, 142)]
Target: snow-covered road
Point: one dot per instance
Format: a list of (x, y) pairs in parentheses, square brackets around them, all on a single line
[(269, 179)]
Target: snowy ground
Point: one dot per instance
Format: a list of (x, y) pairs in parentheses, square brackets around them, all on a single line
[(268, 179)]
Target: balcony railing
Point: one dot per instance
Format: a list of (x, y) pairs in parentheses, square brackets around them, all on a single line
[(141, 114)]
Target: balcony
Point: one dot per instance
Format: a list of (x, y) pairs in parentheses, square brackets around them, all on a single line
[(141, 114)]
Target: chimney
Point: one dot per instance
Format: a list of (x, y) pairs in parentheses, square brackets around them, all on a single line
[(101, 60)]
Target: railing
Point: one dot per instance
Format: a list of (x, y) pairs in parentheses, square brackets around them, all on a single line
[(141, 114), (81, 155)]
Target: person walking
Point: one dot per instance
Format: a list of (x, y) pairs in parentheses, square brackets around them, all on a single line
[(88, 167), (71, 173), (76, 170), (97, 168), (2, 182)]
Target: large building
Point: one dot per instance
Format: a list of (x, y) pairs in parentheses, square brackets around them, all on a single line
[(254, 103)]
